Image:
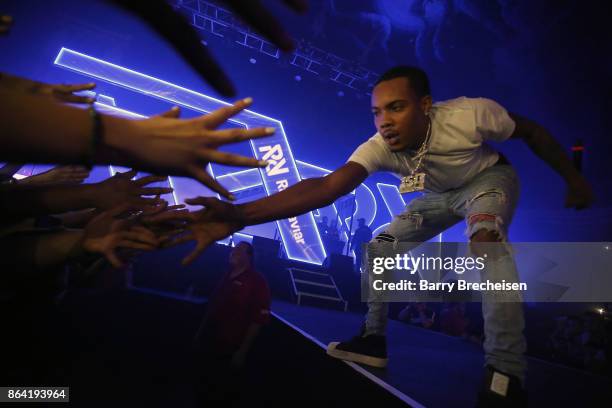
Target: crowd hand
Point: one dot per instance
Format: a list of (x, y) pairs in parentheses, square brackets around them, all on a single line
[(122, 189), (185, 147), (173, 27), (166, 221), (216, 221), (59, 92), (115, 229), (5, 23), (58, 175), (64, 92), (257, 16), (579, 194)]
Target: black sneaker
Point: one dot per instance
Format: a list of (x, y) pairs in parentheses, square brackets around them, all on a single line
[(501, 390), (365, 349)]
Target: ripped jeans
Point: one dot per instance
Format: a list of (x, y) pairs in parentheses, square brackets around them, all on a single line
[(486, 202)]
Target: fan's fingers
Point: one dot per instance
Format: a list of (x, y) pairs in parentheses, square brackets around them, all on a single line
[(193, 255), (112, 257), (77, 87), (203, 177), (143, 181), (221, 115), (181, 239), (139, 236), (230, 159), (173, 112), (136, 245), (155, 191), (236, 135)]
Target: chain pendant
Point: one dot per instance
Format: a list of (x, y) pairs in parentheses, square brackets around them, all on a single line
[(415, 182)]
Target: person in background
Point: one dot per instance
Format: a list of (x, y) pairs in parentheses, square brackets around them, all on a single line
[(323, 226), (362, 235), (237, 310)]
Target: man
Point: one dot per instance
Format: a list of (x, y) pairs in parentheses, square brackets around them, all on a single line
[(235, 314), (362, 234), (439, 148), (323, 226), (237, 309)]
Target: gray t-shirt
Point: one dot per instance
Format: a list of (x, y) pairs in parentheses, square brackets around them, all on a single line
[(457, 150)]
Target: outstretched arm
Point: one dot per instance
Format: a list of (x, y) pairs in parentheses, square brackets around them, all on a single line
[(304, 196), (60, 92), (50, 132), (544, 145), (27, 201), (220, 219)]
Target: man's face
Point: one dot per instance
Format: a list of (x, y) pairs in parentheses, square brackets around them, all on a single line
[(399, 115), (239, 255)]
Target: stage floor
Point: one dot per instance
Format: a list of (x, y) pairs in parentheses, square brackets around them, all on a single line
[(431, 369)]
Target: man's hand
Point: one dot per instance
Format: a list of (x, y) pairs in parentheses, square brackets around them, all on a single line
[(216, 221), (58, 175), (579, 194), (166, 143), (114, 229), (543, 144), (121, 189)]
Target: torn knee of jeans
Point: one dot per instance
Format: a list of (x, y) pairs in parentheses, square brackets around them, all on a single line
[(495, 221), (496, 248), (494, 192), (496, 236), (384, 238), (474, 218), (415, 218)]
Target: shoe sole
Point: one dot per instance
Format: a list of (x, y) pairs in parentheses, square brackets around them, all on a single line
[(355, 357)]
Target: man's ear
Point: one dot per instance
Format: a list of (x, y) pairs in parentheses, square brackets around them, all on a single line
[(426, 104)]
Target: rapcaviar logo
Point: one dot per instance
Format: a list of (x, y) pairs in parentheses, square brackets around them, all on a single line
[(275, 158)]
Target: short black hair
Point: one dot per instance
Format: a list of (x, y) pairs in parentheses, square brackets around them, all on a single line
[(249, 248), (416, 76)]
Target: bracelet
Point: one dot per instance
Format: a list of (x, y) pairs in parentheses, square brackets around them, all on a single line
[(96, 134)]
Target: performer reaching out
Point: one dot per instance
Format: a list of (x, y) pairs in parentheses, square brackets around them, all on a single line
[(439, 149)]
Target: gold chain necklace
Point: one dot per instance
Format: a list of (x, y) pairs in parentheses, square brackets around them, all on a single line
[(416, 181)]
